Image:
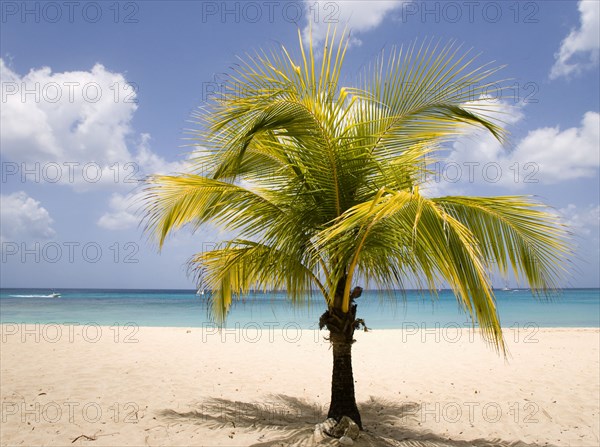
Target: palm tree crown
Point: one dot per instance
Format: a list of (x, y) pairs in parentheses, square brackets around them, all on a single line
[(321, 183)]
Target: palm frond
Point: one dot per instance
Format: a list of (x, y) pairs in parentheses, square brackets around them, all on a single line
[(175, 201), (243, 265), (517, 232), (418, 94), (400, 232)]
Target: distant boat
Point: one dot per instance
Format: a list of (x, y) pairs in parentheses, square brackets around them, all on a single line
[(200, 292), (55, 295)]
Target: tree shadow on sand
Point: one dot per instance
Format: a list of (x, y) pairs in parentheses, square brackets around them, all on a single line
[(287, 421)]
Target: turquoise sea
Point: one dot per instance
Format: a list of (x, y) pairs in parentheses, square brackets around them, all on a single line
[(380, 310)]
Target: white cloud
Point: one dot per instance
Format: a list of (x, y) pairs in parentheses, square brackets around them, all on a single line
[(581, 221), (74, 128), (124, 210), (360, 16), (122, 214), (22, 218), (563, 155), (546, 155), (151, 163), (73, 116), (580, 49)]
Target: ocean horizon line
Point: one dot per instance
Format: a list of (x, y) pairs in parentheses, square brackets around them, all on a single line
[(317, 291)]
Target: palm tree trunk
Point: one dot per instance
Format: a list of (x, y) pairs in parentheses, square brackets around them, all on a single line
[(341, 327), (343, 400)]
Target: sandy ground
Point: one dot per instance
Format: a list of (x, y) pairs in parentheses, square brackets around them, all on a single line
[(120, 386)]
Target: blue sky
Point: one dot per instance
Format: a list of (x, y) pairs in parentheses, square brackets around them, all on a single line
[(97, 94)]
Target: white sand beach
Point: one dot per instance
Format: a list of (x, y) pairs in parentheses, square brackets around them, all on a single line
[(103, 386)]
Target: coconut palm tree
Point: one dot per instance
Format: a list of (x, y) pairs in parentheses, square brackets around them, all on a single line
[(322, 187)]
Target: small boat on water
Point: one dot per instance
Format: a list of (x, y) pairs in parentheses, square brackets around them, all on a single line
[(55, 295)]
